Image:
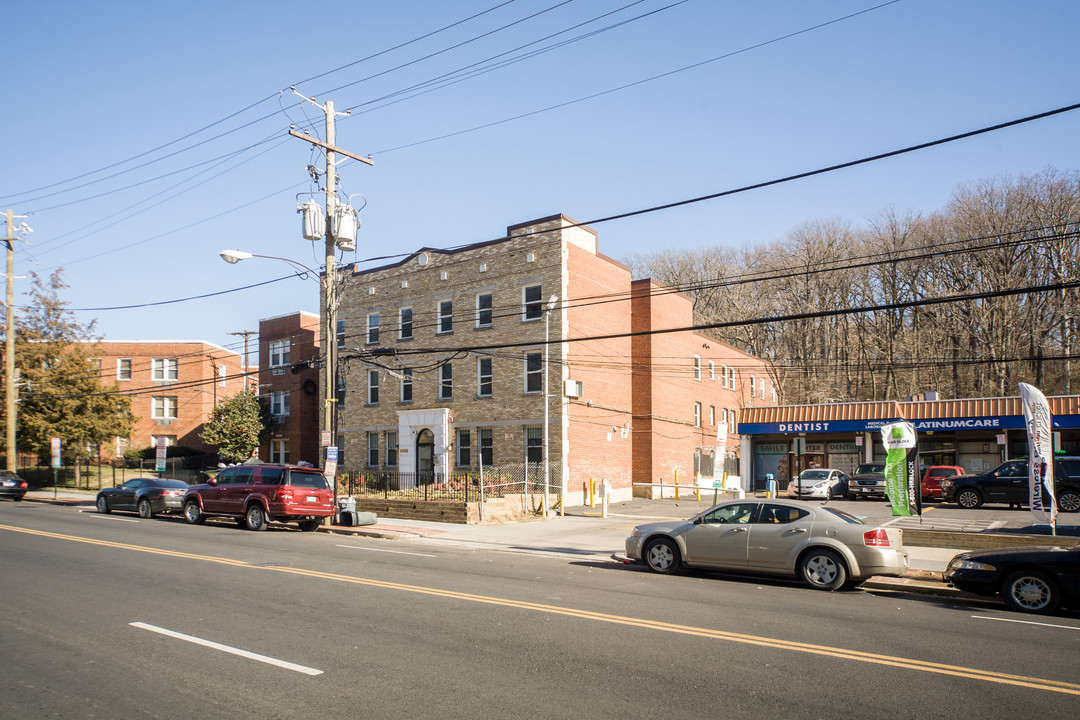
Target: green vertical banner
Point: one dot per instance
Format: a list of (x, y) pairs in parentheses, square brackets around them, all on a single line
[(902, 482)]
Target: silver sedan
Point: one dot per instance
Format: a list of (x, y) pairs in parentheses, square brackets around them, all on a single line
[(825, 547)]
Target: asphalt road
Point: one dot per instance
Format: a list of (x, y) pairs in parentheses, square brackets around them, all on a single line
[(112, 616)]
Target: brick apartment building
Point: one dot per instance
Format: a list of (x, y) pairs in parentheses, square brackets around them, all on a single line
[(173, 386), (288, 347), (444, 362)]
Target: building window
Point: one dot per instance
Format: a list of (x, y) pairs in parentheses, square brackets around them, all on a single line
[(372, 328), (405, 323), (534, 444), (483, 377), (373, 387), (279, 403), (712, 370), (731, 379), (772, 391), (279, 353), (279, 451), (723, 376), (753, 387), (341, 334), (487, 446), (483, 310), (531, 302), (697, 414), (222, 373), (446, 381), (712, 415), (761, 388), (391, 449), (123, 369), (406, 385), (464, 448), (170, 440), (373, 449), (534, 369), (697, 367), (164, 408), (165, 369), (446, 316)]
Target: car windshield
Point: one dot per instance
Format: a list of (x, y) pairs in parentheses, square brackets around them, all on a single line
[(870, 469), (172, 483), (814, 475), (846, 517)]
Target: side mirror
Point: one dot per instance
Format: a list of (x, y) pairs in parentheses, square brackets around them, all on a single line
[(212, 481)]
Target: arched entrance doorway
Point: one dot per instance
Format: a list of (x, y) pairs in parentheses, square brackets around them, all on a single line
[(425, 457)]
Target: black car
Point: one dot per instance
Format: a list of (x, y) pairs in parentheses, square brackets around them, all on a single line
[(1008, 483), (1028, 579), (147, 496), (12, 486), (868, 481)]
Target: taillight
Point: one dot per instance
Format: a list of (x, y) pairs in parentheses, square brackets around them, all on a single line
[(171, 493), (285, 494), (876, 538), (24, 484)]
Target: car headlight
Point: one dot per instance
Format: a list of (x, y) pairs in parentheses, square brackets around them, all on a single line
[(970, 565), (946, 484), (636, 532)]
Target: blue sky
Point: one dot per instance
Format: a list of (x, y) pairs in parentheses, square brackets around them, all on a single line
[(90, 85)]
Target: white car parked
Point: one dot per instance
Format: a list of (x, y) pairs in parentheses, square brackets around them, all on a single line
[(821, 483)]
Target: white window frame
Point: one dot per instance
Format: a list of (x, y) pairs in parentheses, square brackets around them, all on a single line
[(403, 323), (761, 388), (165, 369), (753, 386), (279, 403), (697, 414), (480, 377), (526, 372), (712, 370), (279, 451), (371, 332), (697, 367), (527, 305), (280, 351), (164, 407), (369, 448), (391, 449), (444, 310), (373, 387), (723, 376), (460, 447), (223, 375), (406, 385), (712, 415), (490, 310), (446, 381), (772, 391), (731, 378), (121, 365)]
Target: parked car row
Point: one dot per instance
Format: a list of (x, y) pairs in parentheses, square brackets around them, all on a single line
[(252, 495), (1008, 483)]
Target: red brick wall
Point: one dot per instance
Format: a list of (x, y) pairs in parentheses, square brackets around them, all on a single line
[(301, 426)]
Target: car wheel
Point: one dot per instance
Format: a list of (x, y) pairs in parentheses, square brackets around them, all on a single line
[(193, 513), (1030, 591), (145, 511), (310, 525), (103, 505), (1069, 501), (255, 517), (969, 499), (662, 556), (823, 569)]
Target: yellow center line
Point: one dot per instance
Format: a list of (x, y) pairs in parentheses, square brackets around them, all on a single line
[(776, 643)]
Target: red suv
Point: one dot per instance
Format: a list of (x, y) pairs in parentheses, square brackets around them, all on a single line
[(931, 482), (254, 495)]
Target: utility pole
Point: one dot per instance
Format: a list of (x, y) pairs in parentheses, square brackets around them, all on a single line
[(246, 334), (9, 343), (328, 341)]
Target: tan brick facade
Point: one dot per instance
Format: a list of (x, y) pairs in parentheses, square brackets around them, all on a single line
[(633, 420)]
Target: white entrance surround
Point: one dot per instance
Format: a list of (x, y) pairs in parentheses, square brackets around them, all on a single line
[(410, 423)]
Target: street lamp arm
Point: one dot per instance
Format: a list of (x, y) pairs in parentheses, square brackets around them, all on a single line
[(234, 256)]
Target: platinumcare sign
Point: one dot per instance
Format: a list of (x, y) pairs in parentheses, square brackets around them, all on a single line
[(1000, 422)]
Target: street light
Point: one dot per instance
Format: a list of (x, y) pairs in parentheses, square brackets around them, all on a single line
[(552, 302), (328, 316)]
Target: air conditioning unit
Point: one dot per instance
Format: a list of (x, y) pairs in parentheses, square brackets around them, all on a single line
[(572, 388)]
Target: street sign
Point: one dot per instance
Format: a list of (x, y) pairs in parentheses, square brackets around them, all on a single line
[(331, 454), (55, 445), (160, 454), (324, 438)]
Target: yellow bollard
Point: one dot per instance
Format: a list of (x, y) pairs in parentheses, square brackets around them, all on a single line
[(592, 493), (676, 484)]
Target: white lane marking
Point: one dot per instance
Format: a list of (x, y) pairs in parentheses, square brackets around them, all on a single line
[(109, 517), (1024, 622), (396, 552), (226, 648)]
